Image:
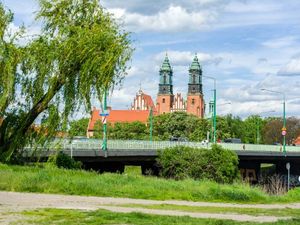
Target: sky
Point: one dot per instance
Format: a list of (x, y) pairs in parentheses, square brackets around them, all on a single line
[(247, 45)]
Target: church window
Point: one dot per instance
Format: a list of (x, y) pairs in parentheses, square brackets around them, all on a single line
[(165, 78), (193, 101), (163, 100), (194, 78)]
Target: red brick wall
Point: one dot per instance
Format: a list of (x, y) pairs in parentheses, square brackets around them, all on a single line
[(195, 105), (164, 103)]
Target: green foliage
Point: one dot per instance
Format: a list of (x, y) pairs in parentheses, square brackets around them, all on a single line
[(252, 129), (64, 161), (80, 52), (179, 124), (123, 131), (216, 164), (79, 182), (78, 127), (126, 131), (272, 130), (70, 217)]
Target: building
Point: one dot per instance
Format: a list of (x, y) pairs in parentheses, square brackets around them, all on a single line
[(166, 101), (140, 111), (296, 142)]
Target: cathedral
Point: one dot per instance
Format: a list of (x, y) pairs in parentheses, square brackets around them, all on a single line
[(166, 101)]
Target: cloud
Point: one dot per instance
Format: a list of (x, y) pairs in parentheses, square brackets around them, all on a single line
[(281, 42), (292, 68), (152, 7), (185, 58), (173, 19), (251, 7)]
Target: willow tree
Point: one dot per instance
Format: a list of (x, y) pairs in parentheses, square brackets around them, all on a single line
[(80, 52)]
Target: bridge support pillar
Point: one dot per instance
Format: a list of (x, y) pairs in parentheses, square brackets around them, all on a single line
[(150, 169), (250, 171)]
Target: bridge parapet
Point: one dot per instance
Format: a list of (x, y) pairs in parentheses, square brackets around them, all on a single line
[(92, 144)]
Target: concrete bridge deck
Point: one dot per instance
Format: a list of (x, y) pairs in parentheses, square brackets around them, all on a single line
[(144, 153)]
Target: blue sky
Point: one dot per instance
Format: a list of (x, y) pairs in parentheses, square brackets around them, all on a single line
[(246, 44)]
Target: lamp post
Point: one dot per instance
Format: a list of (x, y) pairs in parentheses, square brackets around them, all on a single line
[(104, 114), (284, 119), (211, 109), (215, 110), (151, 123)]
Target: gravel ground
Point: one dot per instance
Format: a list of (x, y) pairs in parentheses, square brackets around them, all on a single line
[(11, 202)]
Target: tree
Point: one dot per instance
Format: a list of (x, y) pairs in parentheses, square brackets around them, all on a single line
[(179, 124), (272, 130), (252, 124), (78, 127), (80, 52), (216, 164)]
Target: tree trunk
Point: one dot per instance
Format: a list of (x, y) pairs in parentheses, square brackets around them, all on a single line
[(15, 140)]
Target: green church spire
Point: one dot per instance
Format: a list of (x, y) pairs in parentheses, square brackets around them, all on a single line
[(195, 77), (195, 64), (165, 77)]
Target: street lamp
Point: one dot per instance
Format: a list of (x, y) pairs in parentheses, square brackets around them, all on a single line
[(215, 112), (151, 123), (284, 120)]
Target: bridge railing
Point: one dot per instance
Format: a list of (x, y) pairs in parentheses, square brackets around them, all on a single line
[(94, 144)]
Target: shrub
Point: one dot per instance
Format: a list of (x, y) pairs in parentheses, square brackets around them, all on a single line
[(216, 164), (61, 160)]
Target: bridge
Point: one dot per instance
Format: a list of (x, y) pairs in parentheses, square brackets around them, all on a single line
[(144, 154)]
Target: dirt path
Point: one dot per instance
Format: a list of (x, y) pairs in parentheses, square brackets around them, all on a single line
[(16, 202)]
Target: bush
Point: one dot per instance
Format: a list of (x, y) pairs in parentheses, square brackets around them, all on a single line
[(181, 162), (61, 160)]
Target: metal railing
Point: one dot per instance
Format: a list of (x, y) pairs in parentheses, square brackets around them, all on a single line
[(92, 144)]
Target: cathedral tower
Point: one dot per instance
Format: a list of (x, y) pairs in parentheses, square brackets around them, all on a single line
[(165, 96), (195, 102)]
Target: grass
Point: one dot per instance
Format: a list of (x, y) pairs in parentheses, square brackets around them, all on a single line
[(66, 217), (132, 185), (294, 213)]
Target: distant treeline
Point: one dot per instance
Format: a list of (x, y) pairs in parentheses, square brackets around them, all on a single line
[(253, 129)]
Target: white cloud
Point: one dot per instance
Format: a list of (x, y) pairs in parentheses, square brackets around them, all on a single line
[(251, 7), (292, 68), (281, 42), (185, 58), (175, 18)]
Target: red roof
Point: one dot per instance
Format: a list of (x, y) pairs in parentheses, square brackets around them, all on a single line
[(297, 141), (120, 116), (149, 101)]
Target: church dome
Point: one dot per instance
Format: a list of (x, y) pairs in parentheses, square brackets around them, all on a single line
[(195, 64), (166, 65)]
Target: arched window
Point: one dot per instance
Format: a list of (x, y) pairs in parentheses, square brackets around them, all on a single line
[(163, 100), (193, 101)]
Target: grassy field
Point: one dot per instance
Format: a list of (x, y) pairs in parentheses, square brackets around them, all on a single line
[(294, 213), (131, 184), (65, 217)]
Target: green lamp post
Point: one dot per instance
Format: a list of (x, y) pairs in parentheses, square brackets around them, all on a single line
[(284, 118), (214, 110)]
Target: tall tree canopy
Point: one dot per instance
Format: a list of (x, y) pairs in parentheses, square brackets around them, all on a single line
[(80, 52)]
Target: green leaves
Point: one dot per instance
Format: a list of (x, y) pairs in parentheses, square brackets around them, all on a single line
[(216, 164), (180, 124), (80, 52), (78, 127)]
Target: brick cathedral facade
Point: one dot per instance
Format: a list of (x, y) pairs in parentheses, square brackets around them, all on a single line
[(166, 101)]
